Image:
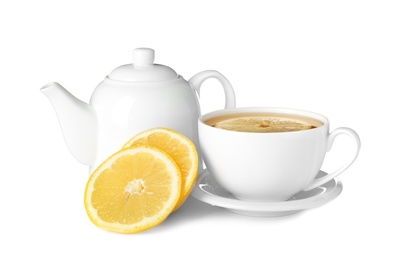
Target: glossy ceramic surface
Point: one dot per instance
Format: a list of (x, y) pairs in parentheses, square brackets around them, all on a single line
[(210, 192), (270, 166), (132, 98)]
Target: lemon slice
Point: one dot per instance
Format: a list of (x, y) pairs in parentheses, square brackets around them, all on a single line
[(179, 147), (262, 124), (133, 190)]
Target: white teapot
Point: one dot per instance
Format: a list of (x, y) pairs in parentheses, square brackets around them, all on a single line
[(132, 98)]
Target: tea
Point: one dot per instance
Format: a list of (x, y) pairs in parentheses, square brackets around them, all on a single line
[(263, 122)]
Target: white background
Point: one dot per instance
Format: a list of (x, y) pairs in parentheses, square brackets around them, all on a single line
[(337, 58)]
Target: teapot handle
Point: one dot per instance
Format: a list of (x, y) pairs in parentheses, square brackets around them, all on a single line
[(199, 78)]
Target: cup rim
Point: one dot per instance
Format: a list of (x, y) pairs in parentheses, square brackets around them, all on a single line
[(278, 110)]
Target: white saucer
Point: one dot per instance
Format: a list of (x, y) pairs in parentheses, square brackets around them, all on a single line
[(209, 191)]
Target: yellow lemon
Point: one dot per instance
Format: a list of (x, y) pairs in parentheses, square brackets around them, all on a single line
[(262, 124), (133, 190), (179, 147)]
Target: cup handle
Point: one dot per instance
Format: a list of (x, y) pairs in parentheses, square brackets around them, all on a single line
[(342, 130), (199, 78)]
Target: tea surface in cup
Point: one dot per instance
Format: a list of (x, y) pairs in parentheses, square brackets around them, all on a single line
[(263, 122)]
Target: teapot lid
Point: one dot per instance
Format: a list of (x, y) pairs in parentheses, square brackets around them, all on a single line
[(143, 68)]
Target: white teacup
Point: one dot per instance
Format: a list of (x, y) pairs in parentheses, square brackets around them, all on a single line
[(269, 166)]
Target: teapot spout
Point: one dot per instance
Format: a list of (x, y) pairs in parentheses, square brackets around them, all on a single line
[(77, 120)]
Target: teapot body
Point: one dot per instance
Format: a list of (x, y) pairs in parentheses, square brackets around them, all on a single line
[(124, 109), (132, 98)]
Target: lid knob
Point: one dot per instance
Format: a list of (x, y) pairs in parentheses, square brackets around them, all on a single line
[(143, 69), (143, 56)]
